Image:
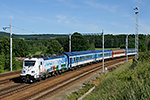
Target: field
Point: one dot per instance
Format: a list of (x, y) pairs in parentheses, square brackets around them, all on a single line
[(105, 48)]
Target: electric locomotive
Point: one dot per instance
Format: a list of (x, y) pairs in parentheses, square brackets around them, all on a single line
[(39, 66)]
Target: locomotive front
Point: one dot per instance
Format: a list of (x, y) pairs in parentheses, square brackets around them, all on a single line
[(31, 69)]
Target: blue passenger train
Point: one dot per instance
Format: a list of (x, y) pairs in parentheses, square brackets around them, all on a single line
[(38, 67)]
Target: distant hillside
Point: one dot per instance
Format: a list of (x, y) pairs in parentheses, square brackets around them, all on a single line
[(2, 34), (34, 36)]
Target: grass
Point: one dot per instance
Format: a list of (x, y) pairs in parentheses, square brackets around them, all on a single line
[(36, 53), (105, 48), (75, 95), (130, 81)]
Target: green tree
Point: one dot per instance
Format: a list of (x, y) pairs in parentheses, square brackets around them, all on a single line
[(78, 43), (92, 47), (21, 48), (54, 47), (5, 53), (122, 46), (142, 47), (2, 62), (5, 45)]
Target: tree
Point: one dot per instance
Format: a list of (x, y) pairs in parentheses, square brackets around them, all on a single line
[(78, 43), (2, 60), (92, 47), (142, 47), (5, 45), (54, 48), (21, 48), (5, 53)]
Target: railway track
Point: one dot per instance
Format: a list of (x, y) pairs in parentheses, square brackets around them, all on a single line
[(10, 73), (7, 78), (50, 86)]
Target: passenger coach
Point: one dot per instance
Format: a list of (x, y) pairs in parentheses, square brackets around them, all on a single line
[(83, 57)]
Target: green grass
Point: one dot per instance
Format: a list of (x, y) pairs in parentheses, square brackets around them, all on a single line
[(36, 53), (130, 81), (105, 48), (75, 95)]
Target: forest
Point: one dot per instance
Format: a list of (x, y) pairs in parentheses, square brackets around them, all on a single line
[(28, 45)]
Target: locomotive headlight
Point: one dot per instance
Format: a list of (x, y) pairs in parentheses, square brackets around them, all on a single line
[(32, 71), (23, 71)]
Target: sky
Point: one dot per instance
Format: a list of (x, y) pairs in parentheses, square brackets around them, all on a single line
[(68, 16)]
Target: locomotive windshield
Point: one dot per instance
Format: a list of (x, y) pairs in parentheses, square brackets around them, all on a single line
[(29, 63)]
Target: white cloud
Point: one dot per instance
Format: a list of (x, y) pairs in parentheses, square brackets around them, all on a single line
[(102, 6), (67, 22), (69, 3), (61, 18), (144, 28), (11, 17)]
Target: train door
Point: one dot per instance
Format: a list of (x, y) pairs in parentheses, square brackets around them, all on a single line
[(59, 66), (70, 62), (40, 67), (74, 61), (66, 61), (95, 57)]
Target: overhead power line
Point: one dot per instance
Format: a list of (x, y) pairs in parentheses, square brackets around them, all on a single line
[(24, 29)]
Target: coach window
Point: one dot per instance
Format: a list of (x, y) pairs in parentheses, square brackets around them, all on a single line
[(106, 54), (74, 59), (86, 57), (101, 55), (91, 56)]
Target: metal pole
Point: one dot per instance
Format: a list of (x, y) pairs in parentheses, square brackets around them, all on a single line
[(69, 42), (103, 49), (136, 31), (10, 46), (127, 48)]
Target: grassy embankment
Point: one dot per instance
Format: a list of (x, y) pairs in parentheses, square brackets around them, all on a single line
[(129, 81), (105, 48)]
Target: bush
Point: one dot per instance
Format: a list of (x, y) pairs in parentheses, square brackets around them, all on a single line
[(1, 68)]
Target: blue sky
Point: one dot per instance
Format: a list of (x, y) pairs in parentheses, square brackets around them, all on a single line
[(64, 16)]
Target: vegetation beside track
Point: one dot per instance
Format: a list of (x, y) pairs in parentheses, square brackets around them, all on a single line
[(128, 81)]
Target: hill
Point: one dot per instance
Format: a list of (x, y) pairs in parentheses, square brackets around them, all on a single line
[(2, 34), (33, 36)]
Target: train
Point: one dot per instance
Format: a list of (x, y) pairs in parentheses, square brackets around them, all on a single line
[(40, 67)]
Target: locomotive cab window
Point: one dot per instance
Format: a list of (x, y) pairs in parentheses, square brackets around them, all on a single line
[(29, 63)]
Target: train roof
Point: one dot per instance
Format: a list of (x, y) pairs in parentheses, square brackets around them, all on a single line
[(98, 51), (131, 48), (78, 53), (84, 52), (48, 56)]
